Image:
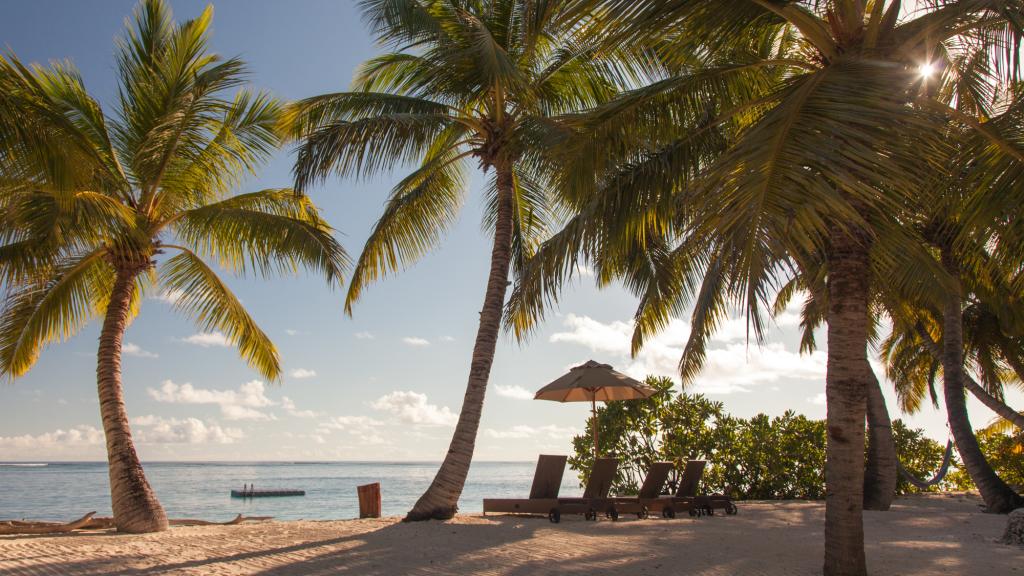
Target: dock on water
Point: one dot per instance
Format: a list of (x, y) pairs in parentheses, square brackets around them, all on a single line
[(250, 492)]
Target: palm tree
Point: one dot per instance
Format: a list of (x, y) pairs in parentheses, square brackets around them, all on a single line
[(464, 81), (914, 356), (918, 350), (89, 201), (830, 131), (880, 472)]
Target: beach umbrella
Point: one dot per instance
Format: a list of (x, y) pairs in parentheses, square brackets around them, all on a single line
[(593, 382)]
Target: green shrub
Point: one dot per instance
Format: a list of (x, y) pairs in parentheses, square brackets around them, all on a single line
[(757, 458), (921, 456), (1005, 453)]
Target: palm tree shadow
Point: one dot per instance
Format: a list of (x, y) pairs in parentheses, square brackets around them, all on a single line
[(443, 548), (787, 538)]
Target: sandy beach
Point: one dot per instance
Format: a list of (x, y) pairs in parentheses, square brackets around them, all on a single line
[(939, 534)]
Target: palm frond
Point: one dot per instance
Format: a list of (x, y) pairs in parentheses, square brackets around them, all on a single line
[(361, 133), (213, 307), (419, 211), (270, 232), (52, 308)]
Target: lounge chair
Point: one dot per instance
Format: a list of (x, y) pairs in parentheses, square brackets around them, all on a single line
[(547, 479), (595, 494), (686, 497), (649, 492), (544, 493)]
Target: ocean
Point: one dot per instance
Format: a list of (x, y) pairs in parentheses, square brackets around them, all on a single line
[(67, 490)]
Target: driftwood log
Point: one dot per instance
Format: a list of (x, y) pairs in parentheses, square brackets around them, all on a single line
[(89, 522), (22, 527), (238, 520)]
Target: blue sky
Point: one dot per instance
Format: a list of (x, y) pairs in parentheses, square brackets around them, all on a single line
[(387, 383)]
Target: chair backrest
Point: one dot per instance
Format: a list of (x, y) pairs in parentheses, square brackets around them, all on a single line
[(547, 479), (691, 478), (655, 480), (601, 478)]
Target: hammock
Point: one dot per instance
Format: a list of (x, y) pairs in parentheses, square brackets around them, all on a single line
[(925, 484)]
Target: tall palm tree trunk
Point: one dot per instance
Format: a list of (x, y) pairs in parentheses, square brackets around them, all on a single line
[(998, 496), (880, 476), (846, 396), (441, 499), (135, 506)]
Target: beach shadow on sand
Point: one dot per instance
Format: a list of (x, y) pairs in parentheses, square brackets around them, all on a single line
[(927, 536)]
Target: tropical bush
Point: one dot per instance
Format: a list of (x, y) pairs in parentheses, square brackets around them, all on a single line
[(1004, 451), (922, 457), (761, 457)]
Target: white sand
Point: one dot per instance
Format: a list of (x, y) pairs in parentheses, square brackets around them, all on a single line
[(942, 535)]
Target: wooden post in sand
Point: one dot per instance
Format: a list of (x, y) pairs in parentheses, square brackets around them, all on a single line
[(369, 500)]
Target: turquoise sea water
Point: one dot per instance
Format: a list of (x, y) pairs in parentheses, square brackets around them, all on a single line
[(62, 491)]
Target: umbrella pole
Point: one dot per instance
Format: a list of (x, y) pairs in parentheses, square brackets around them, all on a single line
[(593, 415)]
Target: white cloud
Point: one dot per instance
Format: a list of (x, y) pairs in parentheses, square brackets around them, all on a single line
[(233, 412), (207, 339), (290, 408), (517, 392), (351, 423), (612, 338), (364, 336), (818, 399), (583, 271), (302, 373), (159, 430), (364, 428), (550, 431), (130, 349), (413, 408), (244, 403), (291, 331), (447, 339), (77, 436), (730, 365), (416, 341), (240, 404), (169, 296), (739, 368)]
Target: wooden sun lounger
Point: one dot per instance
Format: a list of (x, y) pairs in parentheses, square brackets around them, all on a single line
[(686, 497), (649, 492), (544, 493), (547, 479), (595, 495)]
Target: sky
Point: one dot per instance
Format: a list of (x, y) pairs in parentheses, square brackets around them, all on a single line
[(387, 383)]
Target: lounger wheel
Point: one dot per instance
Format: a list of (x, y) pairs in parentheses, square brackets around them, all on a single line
[(643, 513), (731, 509), (555, 516), (612, 513), (695, 511), (590, 515), (668, 512), (709, 510)]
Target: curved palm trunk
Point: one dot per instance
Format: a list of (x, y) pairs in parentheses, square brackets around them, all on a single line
[(845, 392), (998, 496), (135, 506), (880, 476), (993, 403), (441, 499), (990, 401)]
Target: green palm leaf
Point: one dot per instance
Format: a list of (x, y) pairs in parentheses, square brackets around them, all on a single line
[(214, 307)]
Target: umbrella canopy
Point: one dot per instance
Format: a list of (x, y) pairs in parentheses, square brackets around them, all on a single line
[(593, 382)]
